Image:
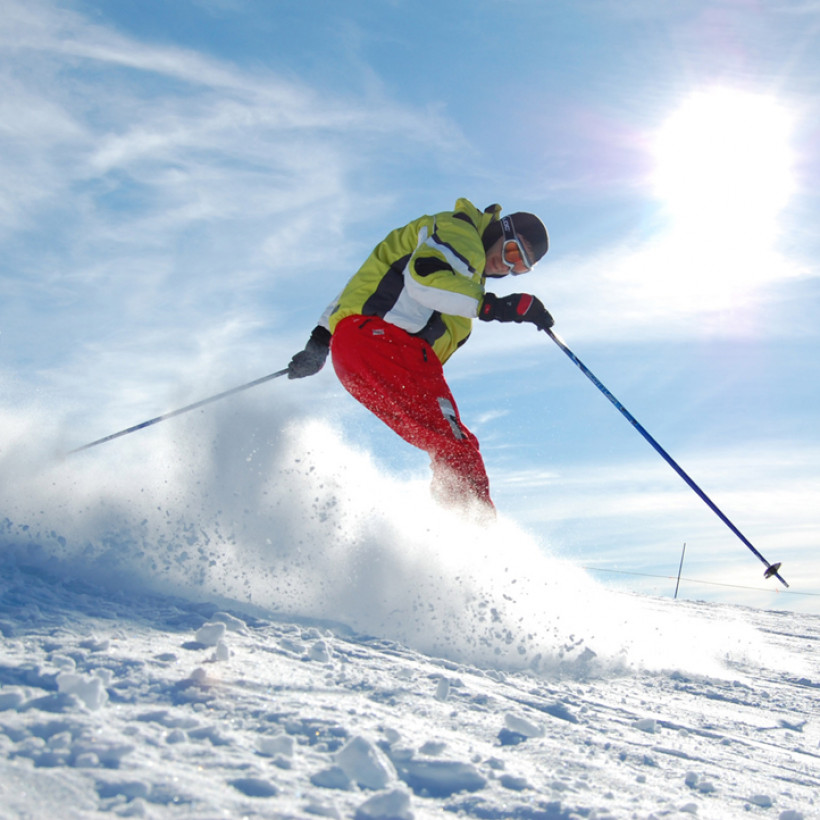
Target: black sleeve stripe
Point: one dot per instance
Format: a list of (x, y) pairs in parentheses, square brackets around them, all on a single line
[(426, 265), (460, 215)]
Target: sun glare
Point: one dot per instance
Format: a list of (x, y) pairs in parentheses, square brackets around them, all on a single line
[(723, 172), (723, 163)]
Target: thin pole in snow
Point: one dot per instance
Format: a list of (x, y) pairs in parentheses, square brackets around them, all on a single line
[(680, 569)]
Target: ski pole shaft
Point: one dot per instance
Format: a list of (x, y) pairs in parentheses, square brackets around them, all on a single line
[(772, 570), (181, 410)]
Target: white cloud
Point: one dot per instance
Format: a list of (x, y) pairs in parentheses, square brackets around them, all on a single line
[(635, 515), (163, 207)]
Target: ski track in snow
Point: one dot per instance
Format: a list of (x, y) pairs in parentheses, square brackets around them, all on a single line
[(268, 633)]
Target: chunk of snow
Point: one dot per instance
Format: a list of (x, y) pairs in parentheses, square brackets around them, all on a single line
[(333, 777), (320, 652), (277, 745), (90, 690), (364, 764), (11, 699), (210, 634), (222, 652), (393, 805), (523, 726), (232, 623), (516, 784)]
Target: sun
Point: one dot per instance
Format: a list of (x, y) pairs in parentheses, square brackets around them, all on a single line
[(723, 172), (723, 162)]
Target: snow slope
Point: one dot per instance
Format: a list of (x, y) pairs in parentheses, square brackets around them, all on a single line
[(153, 706), (271, 627)]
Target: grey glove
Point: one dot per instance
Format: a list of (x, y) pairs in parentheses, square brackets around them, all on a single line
[(312, 359), (517, 307)]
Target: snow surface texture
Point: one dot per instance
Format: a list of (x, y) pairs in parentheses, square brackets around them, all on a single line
[(271, 627)]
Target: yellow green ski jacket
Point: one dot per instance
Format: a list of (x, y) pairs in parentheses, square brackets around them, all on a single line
[(427, 278)]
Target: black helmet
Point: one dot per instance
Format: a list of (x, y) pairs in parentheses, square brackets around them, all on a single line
[(523, 224), (532, 229)]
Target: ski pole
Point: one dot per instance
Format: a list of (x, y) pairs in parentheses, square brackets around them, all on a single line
[(772, 570), (181, 410)]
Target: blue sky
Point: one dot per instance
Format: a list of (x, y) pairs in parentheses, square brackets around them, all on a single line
[(186, 185)]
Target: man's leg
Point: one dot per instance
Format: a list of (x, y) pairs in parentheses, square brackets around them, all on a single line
[(399, 378)]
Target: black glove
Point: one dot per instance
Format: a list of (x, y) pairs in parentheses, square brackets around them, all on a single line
[(312, 359), (517, 307)]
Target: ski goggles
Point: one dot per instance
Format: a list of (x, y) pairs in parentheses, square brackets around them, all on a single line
[(513, 252)]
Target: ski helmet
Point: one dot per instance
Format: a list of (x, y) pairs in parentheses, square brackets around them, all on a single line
[(532, 229), (527, 225)]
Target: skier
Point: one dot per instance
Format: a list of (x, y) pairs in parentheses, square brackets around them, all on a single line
[(407, 310)]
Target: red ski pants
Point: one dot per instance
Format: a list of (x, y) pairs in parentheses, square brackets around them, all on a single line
[(399, 378)]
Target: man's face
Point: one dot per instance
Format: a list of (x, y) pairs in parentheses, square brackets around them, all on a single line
[(495, 265)]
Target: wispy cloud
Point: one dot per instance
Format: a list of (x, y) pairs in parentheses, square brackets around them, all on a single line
[(769, 494), (162, 207)]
